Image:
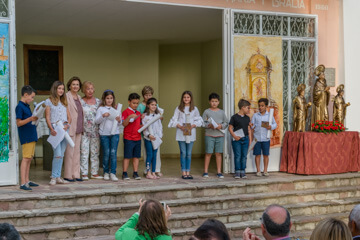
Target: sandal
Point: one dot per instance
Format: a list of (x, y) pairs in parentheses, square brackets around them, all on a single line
[(184, 177), (189, 177)]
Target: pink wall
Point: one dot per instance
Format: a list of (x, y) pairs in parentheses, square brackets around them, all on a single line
[(329, 14)]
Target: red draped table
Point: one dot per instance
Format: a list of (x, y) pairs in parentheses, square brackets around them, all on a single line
[(318, 153)]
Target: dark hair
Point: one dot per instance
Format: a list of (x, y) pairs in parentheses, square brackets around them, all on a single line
[(182, 104), (275, 229), (152, 219), (214, 96), (68, 84), (27, 89), (54, 98), (264, 100), (211, 229), (133, 96), (8, 232), (105, 94), (243, 103), (148, 102)]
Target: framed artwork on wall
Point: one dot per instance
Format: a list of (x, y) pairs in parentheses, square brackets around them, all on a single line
[(43, 65)]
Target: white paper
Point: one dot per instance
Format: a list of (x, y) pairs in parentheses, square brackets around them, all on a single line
[(240, 133), (60, 134), (67, 136), (187, 120), (39, 112), (161, 111), (252, 145), (113, 114), (116, 123), (271, 116), (157, 142), (212, 121), (154, 119)]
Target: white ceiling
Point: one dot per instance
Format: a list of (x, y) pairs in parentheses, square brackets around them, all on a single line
[(116, 19)]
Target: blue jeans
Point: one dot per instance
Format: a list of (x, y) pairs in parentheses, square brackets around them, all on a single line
[(185, 155), (150, 156), (58, 159), (240, 149), (109, 146)]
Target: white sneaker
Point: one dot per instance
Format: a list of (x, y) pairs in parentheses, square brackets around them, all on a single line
[(85, 177), (106, 177), (61, 181), (52, 181), (113, 177)]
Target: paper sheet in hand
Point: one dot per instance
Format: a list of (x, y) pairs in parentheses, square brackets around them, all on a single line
[(252, 145), (271, 116), (115, 122), (240, 133), (157, 142), (161, 110), (212, 121), (154, 119), (113, 114), (60, 134), (39, 112)]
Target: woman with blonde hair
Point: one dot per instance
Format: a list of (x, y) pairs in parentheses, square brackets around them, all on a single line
[(150, 222), (331, 229)]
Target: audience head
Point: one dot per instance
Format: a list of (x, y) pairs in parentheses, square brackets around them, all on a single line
[(354, 221), (152, 219), (211, 229), (8, 232), (331, 229), (276, 222)]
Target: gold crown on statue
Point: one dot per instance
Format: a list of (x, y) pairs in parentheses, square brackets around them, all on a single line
[(320, 69), (301, 88), (340, 88)]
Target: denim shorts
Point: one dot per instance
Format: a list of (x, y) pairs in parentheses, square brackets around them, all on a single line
[(262, 146), (132, 149), (214, 143)]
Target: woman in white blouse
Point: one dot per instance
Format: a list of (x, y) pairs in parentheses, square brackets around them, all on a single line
[(186, 118)]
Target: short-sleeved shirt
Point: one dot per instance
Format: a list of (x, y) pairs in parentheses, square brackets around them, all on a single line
[(27, 132), (57, 112), (238, 121), (131, 130)]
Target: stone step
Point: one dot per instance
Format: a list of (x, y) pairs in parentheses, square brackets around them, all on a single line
[(105, 228), (123, 193), (230, 208)]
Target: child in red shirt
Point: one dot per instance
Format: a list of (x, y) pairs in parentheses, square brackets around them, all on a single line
[(132, 139)]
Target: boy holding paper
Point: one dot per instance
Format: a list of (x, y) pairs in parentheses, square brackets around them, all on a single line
[(215, 123), (261, 126), (27, 135), (239, 128)]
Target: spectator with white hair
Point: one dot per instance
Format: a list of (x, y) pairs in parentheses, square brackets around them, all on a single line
[(354, 222)]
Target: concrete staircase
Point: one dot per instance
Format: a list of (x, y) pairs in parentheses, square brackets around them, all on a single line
[(98, 213)]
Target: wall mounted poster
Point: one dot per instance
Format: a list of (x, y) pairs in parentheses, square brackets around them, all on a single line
[(4, 92), (258, 74)]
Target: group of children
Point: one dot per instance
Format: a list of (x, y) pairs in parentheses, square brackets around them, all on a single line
[(186, 119)]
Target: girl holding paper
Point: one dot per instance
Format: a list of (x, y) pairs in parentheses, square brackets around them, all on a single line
[(55, 111), (151, 134), (90, 140), (105, 116), (186, 118)]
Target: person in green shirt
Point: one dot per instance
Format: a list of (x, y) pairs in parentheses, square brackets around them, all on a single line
[(149, 223)]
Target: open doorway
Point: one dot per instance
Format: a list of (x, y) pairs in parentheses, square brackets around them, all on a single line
[(126, 45)]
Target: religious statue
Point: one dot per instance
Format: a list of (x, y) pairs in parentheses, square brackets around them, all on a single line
[(321, 97), (340, 105), (300, 110)]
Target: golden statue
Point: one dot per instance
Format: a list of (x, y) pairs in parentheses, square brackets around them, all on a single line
[(340, 105), (321, 97), (300, 110)]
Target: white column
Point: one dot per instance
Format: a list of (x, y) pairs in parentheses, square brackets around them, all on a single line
[(351, 62)]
